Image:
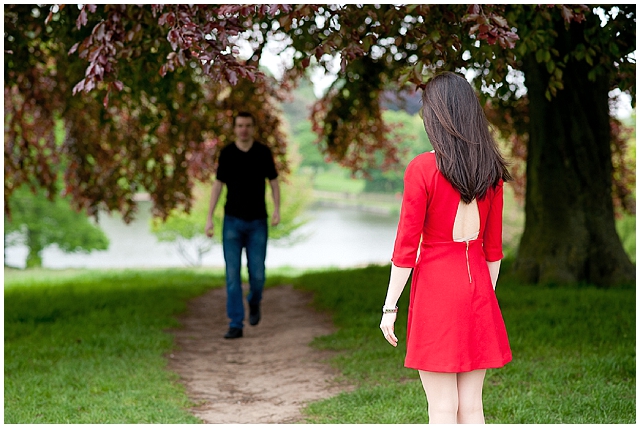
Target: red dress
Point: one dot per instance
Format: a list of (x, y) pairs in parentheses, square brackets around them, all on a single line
[(455, 324)]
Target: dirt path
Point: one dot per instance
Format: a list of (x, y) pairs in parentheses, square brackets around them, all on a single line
[(265, 377)]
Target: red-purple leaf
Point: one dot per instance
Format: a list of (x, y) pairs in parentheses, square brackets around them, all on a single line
[(474, 9), (98, 70), (93, 53), (173, 38), (78, 87), (232, 77), (82, 19), (99, 31), (163, 19), (73, 48), (499, 20)]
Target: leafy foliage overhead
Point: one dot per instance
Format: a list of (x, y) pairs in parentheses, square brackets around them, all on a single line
[(147, 93)]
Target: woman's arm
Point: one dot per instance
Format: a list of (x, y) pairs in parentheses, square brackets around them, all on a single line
[(397, 281), (410, 224), (494, 270)]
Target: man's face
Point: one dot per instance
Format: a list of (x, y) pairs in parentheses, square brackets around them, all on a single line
[(243, 129)]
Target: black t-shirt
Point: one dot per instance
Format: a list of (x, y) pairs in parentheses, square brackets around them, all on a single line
[(244, 174)]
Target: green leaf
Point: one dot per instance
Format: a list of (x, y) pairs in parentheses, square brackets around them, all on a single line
[(366, 43), (588, 59), (410, 8), (614, 50), (521, 48), (550, 66), (557, 73)]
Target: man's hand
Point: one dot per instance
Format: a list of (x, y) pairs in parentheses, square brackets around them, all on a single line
[(208, 229), (275, 218)]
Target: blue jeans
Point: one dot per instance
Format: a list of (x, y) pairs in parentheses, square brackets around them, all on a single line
[(252, 235)]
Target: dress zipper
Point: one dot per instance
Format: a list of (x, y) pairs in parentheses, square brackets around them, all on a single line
[(467, 255)]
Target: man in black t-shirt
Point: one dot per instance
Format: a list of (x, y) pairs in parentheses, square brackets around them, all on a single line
[(243, 167)]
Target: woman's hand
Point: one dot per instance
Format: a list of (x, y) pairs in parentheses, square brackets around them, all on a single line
[(386, 325)]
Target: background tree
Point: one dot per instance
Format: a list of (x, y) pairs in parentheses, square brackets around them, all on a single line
[(411, 140), (307, 142), (186, 230), (569, 69), (162, 134), (39, 223), (296, 108), (158, 133), (570, 231)]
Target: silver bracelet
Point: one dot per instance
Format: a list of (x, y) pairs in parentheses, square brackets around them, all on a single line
[(389, 310)]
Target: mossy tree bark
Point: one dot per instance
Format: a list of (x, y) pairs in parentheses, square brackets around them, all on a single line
[(570, 233)]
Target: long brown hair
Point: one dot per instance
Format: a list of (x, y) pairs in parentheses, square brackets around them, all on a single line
[(466, 153)]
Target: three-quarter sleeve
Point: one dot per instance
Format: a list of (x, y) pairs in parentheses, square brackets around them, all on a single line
[(412, 216), (492, 239)]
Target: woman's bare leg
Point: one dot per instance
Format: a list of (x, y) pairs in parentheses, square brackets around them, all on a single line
[(442, 396), (470, 409)]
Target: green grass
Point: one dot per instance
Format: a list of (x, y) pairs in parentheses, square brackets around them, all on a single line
[(89, 346), (337, 179), (573, 354)]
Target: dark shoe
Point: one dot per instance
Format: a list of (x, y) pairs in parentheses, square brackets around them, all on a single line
[(254, 314), (233, 333)]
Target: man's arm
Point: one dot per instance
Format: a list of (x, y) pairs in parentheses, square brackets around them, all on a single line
[(275, 192), (216, 189)]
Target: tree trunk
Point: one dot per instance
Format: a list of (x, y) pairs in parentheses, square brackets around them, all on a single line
[(34, 258), (570, 234)]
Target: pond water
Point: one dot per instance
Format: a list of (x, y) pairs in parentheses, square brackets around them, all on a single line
[(334, 237)]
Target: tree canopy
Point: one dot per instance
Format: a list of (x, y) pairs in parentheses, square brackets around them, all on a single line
[(147, 92)]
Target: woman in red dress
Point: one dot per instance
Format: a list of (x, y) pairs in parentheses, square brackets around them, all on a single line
[(450, 234)]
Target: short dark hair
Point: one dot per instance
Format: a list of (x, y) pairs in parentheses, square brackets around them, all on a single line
[(244, 114)]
